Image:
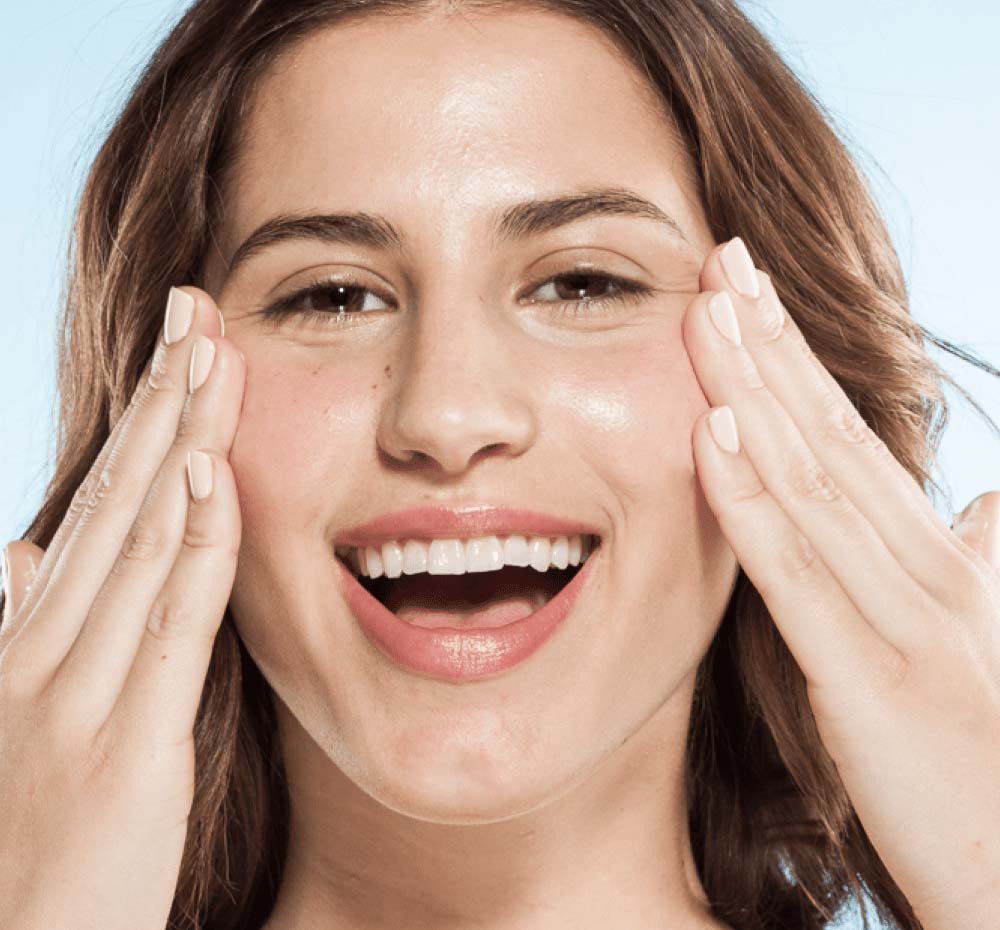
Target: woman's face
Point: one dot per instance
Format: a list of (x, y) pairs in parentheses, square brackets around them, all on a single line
[(510, 396)]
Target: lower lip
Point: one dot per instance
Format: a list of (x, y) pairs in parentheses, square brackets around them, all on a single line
[(459, 655)]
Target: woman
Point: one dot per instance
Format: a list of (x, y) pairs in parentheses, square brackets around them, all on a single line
[(469, 257)]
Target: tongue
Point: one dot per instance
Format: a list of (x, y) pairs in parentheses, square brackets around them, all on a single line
[(479, 600), (498, 614)]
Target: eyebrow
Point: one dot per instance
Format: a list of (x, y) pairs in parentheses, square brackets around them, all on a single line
[(520, 221)]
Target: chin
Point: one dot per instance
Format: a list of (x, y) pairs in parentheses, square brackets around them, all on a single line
[(461, 775)]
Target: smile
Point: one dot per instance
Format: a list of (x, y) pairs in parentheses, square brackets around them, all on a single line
[(455, 619)]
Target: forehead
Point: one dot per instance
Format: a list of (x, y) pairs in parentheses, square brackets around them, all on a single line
[(437, 120)]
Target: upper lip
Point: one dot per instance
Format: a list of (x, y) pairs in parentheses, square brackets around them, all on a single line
[(463, 522)]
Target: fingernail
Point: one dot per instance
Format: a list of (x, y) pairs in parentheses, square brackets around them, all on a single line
[(723, 314), (739, 267), (722, 423), (180, 311), (199, 469), (202, 356), (222, 323)]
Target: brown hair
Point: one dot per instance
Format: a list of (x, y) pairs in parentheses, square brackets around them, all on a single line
[(775, 838)]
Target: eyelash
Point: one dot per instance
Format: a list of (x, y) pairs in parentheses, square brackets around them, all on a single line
[(626, 292)]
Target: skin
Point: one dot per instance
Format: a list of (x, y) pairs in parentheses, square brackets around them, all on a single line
[(414, 802), (551, 796)]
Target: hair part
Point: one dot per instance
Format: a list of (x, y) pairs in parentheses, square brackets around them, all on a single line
[(776, 841)]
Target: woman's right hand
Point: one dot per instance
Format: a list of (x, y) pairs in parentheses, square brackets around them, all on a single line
[(103, 660)]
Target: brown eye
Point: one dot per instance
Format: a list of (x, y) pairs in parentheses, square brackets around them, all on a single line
[(582, 286), (342, 302), (337, 298), (335, 301), (583, 292)]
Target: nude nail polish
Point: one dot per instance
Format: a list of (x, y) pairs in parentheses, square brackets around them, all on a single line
[(740, 268)]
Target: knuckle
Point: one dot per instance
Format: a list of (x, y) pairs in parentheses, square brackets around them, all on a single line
[(167, 622), (748, 490), (142, 543), (161, 379), (893, 669), (104, 753), (746, 373), (844, 424), (95, 488), (797, 557), (812, 483), (175, 623), (100, 490), (771, 319), (199, 537)]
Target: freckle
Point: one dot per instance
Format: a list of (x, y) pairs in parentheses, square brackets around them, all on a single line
[(388, 371)]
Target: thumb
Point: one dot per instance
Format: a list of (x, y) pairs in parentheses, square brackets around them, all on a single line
[(20, 562), (978, 526)]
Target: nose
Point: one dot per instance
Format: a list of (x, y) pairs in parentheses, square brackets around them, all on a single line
[(458, 393)]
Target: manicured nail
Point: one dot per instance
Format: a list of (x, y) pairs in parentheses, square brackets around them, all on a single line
[(722, 423), (199, 469), (739, 266), (180, 311), (723, 314), (202, 356)]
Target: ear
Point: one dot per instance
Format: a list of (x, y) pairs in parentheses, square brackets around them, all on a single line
[(978, 526)]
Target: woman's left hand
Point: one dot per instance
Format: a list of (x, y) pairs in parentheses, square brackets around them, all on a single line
[(892, 616)]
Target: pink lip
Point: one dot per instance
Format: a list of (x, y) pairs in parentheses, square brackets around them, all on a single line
[(458, 523), (459, 655)]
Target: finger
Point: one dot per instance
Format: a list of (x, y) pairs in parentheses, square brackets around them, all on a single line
[(112, 499), (856, 459), (978, 527), (830, 639), (109, 640), (89, 490), (846, 541), (88, 494), (74, 511), (20, 562), (160, 697)]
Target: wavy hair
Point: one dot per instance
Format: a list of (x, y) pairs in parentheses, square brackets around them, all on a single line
[(776, 841)]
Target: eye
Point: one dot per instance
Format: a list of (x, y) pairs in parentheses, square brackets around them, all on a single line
[(328, 297), (580, 302), (338, 301)]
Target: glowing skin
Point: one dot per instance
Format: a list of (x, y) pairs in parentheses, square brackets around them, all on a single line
[(551, 796)]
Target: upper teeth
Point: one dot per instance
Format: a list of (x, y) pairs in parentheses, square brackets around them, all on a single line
[(459, 556)]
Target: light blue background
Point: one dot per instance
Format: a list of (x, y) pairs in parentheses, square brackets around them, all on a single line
[(911, 84)]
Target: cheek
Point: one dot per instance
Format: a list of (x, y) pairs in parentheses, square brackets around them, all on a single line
[(291, 439), (634, 407), (627, 409)]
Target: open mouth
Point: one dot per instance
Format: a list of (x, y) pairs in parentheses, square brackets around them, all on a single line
[(430, 600)]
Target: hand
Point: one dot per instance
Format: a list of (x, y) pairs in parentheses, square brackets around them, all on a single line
[(103, 660), (892, 616)]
